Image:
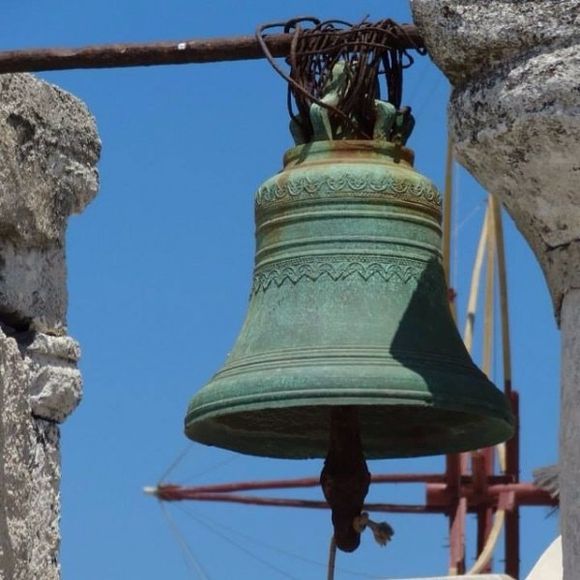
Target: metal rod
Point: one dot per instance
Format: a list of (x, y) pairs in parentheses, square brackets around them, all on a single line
[(478, 467), (455, 465), (161, 53), (439, 498), (447, 201), (485, 516), (310, 482), (305, 482), (457, 537), (526, 494), (294, 503), (488, 321), (457, 509), (512, 529), (495, 207)]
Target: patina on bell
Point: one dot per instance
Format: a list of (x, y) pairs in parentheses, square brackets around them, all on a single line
[(349, 307)]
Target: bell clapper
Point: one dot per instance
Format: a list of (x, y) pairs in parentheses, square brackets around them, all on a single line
[(382, 531), (345, 481), (345, 478)]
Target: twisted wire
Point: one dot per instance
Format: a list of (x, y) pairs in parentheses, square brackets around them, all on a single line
[(370, 49)]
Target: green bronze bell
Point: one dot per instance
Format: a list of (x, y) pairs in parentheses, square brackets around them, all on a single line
[(349, 308)]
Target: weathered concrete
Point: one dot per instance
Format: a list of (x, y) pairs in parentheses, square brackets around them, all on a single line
[(514, 113), (48, 151), (55, 382), (482, 37), (16, 448), (515, 119), (570, 435)]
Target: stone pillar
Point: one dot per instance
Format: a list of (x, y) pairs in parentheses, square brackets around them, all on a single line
[(48, 151), (570, 434), (514, 117)]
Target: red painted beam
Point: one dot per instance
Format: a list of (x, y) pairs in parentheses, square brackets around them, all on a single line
[(527, 494), (174, 493), (306, 482)]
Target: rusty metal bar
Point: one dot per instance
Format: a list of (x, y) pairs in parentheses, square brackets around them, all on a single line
[(485, 518), (457, 537), (161, 53), (308, 482), (512, 527), (526, 494), (478, 466), (437, 498), (167, 495), (447, 213), (305, 482), (495, 208)]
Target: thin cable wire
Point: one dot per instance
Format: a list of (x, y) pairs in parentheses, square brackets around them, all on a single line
[(235, 543), (331, 559), (188, 556), (419, 86), (175, 463), (428, 96), (182, 455), (283, 551), (214, 467), (476, 209)]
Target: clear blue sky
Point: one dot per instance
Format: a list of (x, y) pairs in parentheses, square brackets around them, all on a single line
[(159, 273)]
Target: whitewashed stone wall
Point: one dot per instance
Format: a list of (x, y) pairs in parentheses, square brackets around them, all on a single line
[(48, 151), (515, 119)]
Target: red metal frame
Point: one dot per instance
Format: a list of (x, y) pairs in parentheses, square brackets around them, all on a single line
[(454, 493)]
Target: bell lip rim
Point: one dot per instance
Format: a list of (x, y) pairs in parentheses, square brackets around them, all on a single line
[(208, 432), (502, 419), (211, 410), (369, 455), (392, 150)]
